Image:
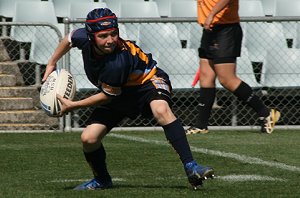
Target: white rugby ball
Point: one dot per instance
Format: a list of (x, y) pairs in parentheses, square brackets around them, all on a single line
[(59, 82)]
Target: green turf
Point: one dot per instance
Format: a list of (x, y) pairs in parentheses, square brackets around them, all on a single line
[(142, 164)]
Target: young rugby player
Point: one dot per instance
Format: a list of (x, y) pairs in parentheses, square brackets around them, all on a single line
[(130, 84)]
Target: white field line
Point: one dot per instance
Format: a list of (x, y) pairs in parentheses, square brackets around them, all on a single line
[(241, 178), (241, 158), (229, 178), (81, 180), (235, 178)]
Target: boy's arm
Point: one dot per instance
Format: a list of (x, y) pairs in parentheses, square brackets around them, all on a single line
[(63, 47), (94, 100)]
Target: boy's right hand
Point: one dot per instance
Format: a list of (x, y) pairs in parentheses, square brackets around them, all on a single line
[(49, 70)]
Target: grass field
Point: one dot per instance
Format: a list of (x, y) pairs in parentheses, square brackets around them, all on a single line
[(142, 164)]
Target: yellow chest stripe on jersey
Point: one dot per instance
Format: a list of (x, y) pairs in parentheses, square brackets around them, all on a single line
[(135, 50), (139, 79)]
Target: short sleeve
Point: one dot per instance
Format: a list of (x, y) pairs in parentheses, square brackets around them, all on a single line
[(78, 38)]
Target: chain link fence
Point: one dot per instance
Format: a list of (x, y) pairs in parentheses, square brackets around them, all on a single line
[(24, 53), (269, 63)]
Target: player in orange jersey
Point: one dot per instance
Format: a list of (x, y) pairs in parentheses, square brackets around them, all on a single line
[(220, 46)]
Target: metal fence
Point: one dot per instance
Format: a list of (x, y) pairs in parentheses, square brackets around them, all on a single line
[(269, 63)]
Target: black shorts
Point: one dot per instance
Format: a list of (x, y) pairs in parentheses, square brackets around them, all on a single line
[(133, 101), (222, 44)]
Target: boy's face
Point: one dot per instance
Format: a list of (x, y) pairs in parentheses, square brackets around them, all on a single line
[(106, 41)]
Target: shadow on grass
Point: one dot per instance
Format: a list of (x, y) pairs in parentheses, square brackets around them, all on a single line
[(126, 186)]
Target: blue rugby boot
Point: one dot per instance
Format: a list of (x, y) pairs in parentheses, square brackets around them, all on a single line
[(94, 184), (197, 174)]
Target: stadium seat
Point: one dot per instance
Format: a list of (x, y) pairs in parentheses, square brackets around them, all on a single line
[(269, 7), (7, 7), (43, 12), (77, 69), (123, 31), (259, 37), (164, 7), (137, 10), (190, 10), (194, 35), (158, 36), (115, 5), (292, 8), (281, 68), (79, 10), (245, 70), (251, 8), (244, 27), (297, 39), (62, 7), (183, 9), (44, 43), (180, 64)]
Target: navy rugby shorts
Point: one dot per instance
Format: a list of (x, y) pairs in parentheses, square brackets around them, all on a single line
[(222, 44), (133, 101)]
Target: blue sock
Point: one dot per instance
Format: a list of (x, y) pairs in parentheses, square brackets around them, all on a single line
[(176, 136), (96, 160)]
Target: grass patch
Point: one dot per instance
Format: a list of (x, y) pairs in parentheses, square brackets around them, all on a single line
[(143, 164)]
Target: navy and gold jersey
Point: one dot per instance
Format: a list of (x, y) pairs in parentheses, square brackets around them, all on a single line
[(127, 66)]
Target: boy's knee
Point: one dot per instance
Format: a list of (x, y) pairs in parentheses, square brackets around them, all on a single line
[(163, 114), (87, 138), (160, 111)]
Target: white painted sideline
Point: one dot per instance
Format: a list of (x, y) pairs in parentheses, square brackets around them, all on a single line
[(241, 158), (241, 178), (229, 178), (82, 180)]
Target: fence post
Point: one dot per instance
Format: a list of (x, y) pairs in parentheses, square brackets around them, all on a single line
[(66, 65)]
